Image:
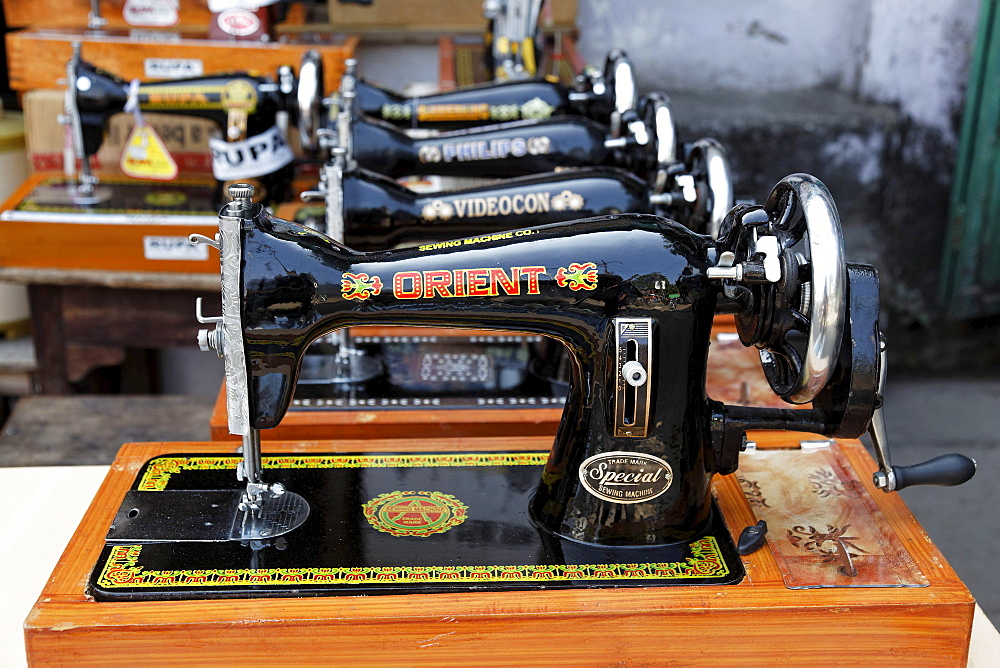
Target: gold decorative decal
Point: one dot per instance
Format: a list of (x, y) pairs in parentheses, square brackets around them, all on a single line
[(482, 149), (122, 571), (502, 205), (536, 109), (239, 94), (360, 286), (160, 470), (414, 513), (578, 276), (453, 112)]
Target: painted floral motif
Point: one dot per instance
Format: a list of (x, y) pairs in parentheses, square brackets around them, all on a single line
[(751, 490), (825, 483), (536, 109), (832, 545), (360, 286), (578, 276)]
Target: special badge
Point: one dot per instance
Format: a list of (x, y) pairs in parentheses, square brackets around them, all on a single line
[(626, 477), (414, 513)]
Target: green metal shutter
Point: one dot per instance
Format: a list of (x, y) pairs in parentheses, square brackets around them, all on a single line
[(970, 286)]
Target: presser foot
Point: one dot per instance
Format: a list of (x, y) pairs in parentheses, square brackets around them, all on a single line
[(207, 516)]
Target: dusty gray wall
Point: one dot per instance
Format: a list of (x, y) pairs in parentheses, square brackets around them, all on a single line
[(911, 53)]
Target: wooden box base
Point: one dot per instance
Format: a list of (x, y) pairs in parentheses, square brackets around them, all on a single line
[(758, 621)]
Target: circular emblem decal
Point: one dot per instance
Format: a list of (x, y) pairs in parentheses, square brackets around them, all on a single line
[(238, 22), (414, 513), (626, 477)]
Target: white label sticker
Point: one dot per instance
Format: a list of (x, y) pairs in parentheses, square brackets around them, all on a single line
[(173, 248), (158, 13), (264, 154), (172, 68)]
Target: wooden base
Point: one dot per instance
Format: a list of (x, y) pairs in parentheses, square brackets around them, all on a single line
[(756, 622), (97, 244)]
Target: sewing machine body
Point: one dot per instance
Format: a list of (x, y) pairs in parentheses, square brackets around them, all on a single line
[(605, 97), (244, 107)]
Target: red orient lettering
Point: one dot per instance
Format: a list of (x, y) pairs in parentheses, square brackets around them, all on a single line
[(479, 282), (532, 273), (437, 281), (498, 277), (399, 290)]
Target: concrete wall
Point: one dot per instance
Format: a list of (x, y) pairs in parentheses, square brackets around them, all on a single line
[(912, 53)]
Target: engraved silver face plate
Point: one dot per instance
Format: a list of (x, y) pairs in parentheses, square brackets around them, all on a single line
[(633, 376), (335, 199), (203, 516), (237, 402)]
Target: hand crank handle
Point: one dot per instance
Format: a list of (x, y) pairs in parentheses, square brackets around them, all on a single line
[(946, 470)]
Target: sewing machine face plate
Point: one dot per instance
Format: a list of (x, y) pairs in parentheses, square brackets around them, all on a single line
[(394, 524)]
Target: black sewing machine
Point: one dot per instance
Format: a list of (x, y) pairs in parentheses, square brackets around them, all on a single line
[(632, 298), (695, 189), (245, 107), (642, 145), (698, 192), (609, 97)]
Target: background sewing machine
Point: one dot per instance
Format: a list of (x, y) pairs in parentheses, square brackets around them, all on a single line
[(129, 224), (609, 97)]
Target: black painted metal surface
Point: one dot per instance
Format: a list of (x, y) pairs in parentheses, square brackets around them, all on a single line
[(438, 522)]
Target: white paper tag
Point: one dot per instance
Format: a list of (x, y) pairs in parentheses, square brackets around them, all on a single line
[(172, 68), (173, 248), (264, 154), (158, 13)]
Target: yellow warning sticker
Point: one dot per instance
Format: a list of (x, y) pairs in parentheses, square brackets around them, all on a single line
[(146, 156)]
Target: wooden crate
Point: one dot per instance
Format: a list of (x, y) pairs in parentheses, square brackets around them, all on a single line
[(756, 622), (37, 57)]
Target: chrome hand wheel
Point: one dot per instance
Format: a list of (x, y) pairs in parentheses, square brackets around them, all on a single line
[(708, 164), (797, 320), (309, 99)]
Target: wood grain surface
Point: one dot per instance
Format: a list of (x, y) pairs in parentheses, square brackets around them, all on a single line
[(758, 622), (37, 58)]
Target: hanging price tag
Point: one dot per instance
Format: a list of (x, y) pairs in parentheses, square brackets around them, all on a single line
[(145, 155)]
